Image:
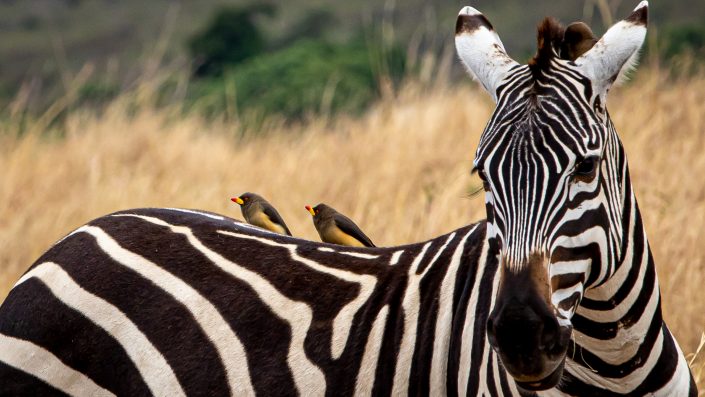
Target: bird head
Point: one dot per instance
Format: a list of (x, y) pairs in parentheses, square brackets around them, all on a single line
[(244, 198)]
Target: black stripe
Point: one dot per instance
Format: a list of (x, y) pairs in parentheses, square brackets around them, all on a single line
[(31, 312), (479, 341), (391, 343), (491, 387), (167, 324), (17, 383), (608, 330), (592, 362), (629, 283), (464, 287), (430, 289), (172, 328), (661, 373)]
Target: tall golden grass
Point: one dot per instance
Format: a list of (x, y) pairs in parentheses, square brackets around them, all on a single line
[(401, 171)]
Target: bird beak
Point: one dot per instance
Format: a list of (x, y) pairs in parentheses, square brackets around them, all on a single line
[(237, 200), (311, 210)]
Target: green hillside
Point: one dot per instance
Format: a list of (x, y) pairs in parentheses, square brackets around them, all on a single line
[(46, 42)]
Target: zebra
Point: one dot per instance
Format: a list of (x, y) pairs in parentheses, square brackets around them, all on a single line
[(578, 302), (554, 294)]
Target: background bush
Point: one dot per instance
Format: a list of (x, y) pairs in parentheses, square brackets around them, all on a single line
[(309, 76), (293, 75), (229, 38)]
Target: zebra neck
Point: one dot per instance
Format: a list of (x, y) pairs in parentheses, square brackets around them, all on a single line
[(619, 334), (427, 308), (632, 281)]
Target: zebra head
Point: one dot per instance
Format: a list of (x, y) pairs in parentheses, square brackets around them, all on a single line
[(554, 173)]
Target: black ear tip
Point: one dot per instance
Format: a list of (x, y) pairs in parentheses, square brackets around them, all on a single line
[(468, 23), (640, 16)]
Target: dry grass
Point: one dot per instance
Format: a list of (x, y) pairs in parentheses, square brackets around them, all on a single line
[(401, 172)]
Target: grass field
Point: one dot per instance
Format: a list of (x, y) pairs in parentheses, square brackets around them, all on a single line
[(401, 172)]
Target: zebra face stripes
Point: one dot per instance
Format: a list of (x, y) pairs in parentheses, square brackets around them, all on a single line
[(554, 173)]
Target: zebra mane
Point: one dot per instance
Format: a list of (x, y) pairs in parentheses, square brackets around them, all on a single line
[(556, 41), (549, 40)]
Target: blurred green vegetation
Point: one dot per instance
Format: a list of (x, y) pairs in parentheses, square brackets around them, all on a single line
[(238, 70), (306, 77), (683, 39), (228, 39), (294, 58)]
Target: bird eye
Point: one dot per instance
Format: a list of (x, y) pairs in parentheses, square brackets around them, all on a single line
[(587, 166)]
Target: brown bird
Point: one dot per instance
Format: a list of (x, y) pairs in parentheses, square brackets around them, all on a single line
[(257, 211), (336, 228)]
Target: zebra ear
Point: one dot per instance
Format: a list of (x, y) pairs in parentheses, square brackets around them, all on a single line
[(481, 50), (617, 52)]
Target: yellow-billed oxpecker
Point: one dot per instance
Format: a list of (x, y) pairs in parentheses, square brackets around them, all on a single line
[(257, 211), (336, 228)]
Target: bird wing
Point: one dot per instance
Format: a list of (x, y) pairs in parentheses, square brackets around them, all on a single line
[(346, 225), (276, 218)]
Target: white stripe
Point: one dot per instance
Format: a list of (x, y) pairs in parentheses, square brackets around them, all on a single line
[(625, 384), (410, 304), (218, 217), (395, 257), (495, 371), (468, 327), (39, 362), (368, 366), (307, 376), (562, 294), (439, 361), (359, 255), (229, 347), (569, 267), (256, 228), (237, 224), (349, 253), (487, 349), (627, 341), (593, 235), (152, 366), (679, 385), (620, 310), (607, 289), (342, 322)]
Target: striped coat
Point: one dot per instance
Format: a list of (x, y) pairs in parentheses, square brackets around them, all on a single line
[(174, 302)]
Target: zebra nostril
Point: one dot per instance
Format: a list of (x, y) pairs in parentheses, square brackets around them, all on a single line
[(549, 334)]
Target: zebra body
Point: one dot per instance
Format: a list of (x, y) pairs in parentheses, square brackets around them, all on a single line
[(207, 317), (555, 294)]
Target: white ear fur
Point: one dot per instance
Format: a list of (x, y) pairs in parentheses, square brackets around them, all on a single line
[(481, 50), (617, 52)]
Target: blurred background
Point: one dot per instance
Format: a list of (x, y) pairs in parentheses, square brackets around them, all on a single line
[(108, 105), (249, 59)]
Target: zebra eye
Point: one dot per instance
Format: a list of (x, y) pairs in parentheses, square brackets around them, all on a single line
[(483, 177), (586, 167), (598, 106)]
